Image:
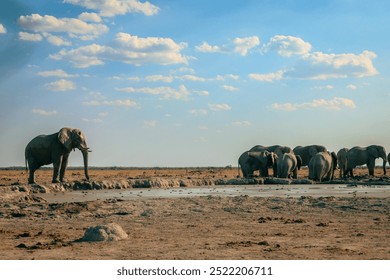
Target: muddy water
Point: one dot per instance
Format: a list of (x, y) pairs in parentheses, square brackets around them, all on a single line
[(253, 191)]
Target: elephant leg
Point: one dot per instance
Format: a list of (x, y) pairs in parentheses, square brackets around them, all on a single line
[(64, 164), (295, 174), (31, 179), (56, 167), (371, 166), (32, 166)]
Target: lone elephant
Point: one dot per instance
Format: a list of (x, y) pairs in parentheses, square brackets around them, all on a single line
[(342, 161), (288, 163), (322, 166), (365, 155), (307, 152), (55, 148), (251, 161)]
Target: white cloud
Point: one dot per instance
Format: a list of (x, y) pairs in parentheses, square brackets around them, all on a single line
[(92, 120), (128, 49), (337, 103), (322, 66), (207, 48), (61, 85), (193, 78), (159, 78), (269, 77), (202, 92), (198, 112), (243, 45), (91, 17), (116, 103), (109, 8), (227, 76), (150, 123), (230, 88), (56, 73), (3, 30), (352, 87), (33, 37), (219, 107), (44, 112), (238, 45), (327, 87), (71, 26), (166, 92), (242, 123), (58, 41), (288, 45)]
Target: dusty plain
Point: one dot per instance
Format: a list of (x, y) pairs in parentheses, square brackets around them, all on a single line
[(204, 227)]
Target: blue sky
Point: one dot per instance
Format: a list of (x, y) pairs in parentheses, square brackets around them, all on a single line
[(193, 83)]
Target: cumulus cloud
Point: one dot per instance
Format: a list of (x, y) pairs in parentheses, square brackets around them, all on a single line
[(150, 123), (219, 107), (90, 17), (181, 93), (198, 112), (109, 8), (128, 49), (336, 103), (230, 88), (56, 73), (288, 45), (44, 112), (269, 77), (352, 87), (3, 30), (159, 78), (239, 45), (243, 45), (61, 85), (193, 78), (242, 123), (33, 37), (322, 66), (207, 48), (72, 26), (116, 103)]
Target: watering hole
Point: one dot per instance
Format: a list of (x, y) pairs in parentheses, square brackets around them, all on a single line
[(223, 191)]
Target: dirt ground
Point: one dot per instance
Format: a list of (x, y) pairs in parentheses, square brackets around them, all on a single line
[(207, 227)]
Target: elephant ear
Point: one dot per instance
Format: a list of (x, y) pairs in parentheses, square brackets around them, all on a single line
[(64, 136), (373, 151)]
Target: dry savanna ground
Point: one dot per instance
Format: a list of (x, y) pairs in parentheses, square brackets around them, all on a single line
[(206, 227)]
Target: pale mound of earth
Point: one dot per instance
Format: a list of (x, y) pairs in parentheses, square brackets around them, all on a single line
[(109, 232)]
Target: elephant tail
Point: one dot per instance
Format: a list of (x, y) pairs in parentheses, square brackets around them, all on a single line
[(25, 161)]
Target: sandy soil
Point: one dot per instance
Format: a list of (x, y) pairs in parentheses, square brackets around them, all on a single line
[(206, 227)]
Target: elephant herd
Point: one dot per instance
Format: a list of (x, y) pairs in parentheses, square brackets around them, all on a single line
[(285, 162), (322, 164)]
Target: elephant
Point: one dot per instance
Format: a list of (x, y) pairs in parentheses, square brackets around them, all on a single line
[(307, 152), (276, 149), (322, 166), (55, 148), (288, 163), (342, 161), (251, 161), (366, 155)]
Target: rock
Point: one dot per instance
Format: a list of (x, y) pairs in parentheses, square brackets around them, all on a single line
[(108, 232)]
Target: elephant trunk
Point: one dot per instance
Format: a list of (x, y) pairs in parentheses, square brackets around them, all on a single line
[(85, 158)]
